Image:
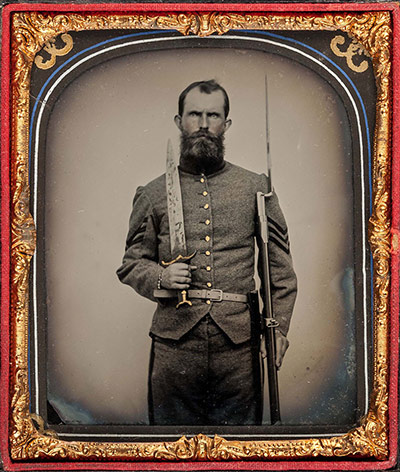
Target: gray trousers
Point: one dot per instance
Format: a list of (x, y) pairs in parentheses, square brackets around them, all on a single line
[(203, 379)]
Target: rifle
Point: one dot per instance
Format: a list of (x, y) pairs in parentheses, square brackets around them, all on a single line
[(268, 323), (258, 366)]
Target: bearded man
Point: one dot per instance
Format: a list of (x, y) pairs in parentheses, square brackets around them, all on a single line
[(202, 370)]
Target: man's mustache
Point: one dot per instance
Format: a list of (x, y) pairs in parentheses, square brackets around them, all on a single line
[(201, 134)]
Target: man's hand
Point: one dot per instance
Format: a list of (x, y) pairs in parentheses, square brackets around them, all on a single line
[(177, 276), (281, 347)]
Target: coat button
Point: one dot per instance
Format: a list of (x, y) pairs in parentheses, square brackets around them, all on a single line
[(208, 302), (208, 268), (208, 253), (209, 284), (207, 222), (202, 180), (206, 206), (205, 193), (207, 238)]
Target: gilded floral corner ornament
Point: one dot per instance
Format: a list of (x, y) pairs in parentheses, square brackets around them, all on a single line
[(353, 49), (53, 51)]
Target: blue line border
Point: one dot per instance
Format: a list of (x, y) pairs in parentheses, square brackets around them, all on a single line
[(255, 32)]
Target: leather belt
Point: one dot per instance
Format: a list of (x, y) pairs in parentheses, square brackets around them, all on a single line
[(214, 295)]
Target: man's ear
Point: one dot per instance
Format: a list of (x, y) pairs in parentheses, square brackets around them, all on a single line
[(228, 124), (178, 121)]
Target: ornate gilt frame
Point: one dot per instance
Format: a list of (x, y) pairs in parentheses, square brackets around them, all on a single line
[(29, 32)]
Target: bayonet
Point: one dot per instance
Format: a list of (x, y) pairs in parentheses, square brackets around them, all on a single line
[(269, 163)]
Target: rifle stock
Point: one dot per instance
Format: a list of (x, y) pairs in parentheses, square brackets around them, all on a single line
[(268, 321)]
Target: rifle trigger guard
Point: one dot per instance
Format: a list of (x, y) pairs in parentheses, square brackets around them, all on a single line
[(271, 323)]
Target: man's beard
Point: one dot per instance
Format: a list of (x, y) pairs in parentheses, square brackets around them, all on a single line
[(202, 151)]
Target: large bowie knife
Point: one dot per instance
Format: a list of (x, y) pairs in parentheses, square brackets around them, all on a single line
[(176, 222)]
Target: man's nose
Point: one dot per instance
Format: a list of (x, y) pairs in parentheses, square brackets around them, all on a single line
[(203, 121)]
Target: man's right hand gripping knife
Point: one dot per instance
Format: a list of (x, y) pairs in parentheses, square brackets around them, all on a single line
[(182, 294)]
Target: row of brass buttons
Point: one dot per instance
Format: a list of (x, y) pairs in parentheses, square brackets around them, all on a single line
[(207, 238)]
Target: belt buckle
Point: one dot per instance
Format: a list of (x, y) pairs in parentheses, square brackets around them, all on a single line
[(215, 292)]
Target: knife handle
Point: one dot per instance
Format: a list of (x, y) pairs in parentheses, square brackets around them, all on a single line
[(182, 295), (179, 258)]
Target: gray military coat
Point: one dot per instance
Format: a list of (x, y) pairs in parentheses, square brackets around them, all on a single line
[(220, 218)]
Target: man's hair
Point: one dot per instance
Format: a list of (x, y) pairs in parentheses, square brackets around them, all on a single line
[(205, 86)]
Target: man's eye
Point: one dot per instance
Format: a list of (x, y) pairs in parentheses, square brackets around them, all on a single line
[(194, 113), (214, 115)]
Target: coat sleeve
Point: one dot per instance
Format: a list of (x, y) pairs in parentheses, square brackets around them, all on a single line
[(140, 268), (283, 277)]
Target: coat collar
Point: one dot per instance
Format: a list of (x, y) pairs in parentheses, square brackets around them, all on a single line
[(226, 166)]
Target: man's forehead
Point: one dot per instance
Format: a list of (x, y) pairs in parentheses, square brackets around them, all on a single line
[(198, 99)]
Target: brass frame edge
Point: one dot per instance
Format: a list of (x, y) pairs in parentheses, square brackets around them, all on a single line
[(29, 33)]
